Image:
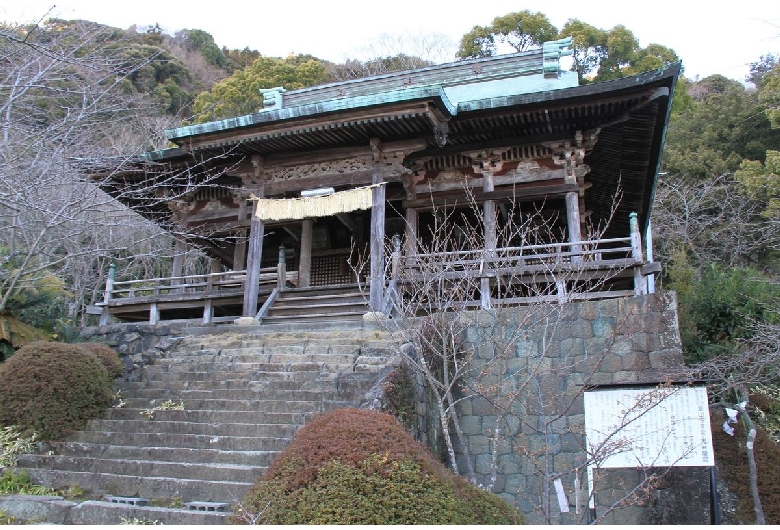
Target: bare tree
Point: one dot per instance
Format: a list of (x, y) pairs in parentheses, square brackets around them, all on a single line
[(485, 326), (65, 103), (711, 219)]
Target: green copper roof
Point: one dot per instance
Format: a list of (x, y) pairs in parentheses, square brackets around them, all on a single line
[(446, 86), (433, 93)]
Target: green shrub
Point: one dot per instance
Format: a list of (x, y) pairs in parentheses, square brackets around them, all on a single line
[(52, 389), (105, 355), (12, 483), (361, 467), (718, 309), (13, 444)]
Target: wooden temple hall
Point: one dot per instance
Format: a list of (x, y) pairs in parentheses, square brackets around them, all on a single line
[(334, 200)]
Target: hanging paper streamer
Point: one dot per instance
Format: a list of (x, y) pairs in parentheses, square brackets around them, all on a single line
[(310, 207)]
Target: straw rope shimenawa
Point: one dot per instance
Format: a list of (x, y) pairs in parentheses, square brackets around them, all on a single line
[(308, 207)]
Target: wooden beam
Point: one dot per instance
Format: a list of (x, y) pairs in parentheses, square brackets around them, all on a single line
[(518, 192)]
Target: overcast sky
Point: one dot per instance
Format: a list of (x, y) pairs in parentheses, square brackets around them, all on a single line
[(712, 37)]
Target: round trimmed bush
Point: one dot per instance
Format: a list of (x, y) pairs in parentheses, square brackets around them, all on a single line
[(105, 355), (361, 467), (52, 388)]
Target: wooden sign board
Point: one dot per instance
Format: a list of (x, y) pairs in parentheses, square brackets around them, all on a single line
[(650, 427)]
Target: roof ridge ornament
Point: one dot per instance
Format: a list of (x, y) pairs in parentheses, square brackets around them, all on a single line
[(552, 51), (272, 98)]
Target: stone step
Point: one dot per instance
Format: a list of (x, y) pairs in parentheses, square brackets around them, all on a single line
[(259, 430), (56, 510), (245, 394), (256, 391), (259, 405), (260, 337), (288, 370), (99, 484), (208, 416), (305, 390), (247, 363), (206, 472), (101, 512), (184, 441), (168, 454)]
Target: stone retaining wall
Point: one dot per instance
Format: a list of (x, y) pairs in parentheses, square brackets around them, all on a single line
[(531, 368)]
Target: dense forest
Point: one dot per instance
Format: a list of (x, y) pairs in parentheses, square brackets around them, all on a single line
[(76, 91)]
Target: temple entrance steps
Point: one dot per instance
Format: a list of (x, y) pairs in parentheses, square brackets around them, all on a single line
[(318, 304), (243, 393)]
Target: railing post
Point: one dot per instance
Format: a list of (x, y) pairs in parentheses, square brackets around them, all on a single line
[(105, 316), (640, 284), (154, 314), (208, 311), (395, 271), (281, 270)]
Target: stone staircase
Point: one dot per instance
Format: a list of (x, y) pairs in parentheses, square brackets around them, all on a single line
[(320, 304), (245, 392)]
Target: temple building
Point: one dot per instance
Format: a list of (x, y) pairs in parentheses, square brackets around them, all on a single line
[(342, 187)]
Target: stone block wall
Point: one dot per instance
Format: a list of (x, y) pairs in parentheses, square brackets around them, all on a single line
[(524, 415)]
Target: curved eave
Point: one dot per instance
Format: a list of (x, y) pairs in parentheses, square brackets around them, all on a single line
[(435, 94)]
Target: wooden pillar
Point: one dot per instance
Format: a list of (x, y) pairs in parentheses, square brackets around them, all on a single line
[(216, 266), (304, 262), (239, 252), (376, 285), (254, 257), (573, 223), (490, 236), (411, 232), (179, 249)]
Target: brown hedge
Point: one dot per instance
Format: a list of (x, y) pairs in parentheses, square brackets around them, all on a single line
[(105, 355), (52, 388), (731, 459), (361, 467)]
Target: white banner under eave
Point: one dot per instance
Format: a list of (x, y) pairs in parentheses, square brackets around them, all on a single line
[(311, 207)]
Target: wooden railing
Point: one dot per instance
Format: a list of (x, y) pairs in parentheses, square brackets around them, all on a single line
[(550, 272), (196, 283), (183, 289)]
